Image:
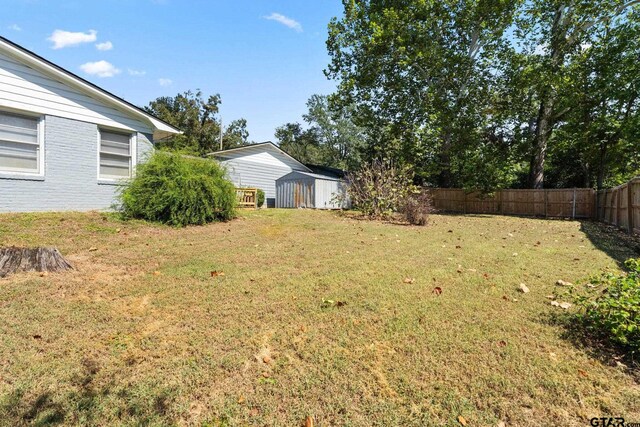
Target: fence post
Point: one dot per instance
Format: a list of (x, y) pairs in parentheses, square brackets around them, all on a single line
[(464, 201), (618, 207), (546, 201), (630, 206), (574, 204)]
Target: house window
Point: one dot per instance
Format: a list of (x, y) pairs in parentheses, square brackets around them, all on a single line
[(20, 145), (116, 155)]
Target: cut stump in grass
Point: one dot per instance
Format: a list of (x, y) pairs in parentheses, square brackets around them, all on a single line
[(13, 259)]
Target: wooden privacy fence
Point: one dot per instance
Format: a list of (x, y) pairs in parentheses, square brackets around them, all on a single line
[(620, 206), (561, 203), (247, 197)]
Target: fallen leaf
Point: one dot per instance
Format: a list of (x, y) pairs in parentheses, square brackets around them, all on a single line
[(555, 303), (409, 280), (266, 374), (308, 422), (437, 290), (502, 343), (241, 400), (44, 274), (583, 373), (93, 249), (37, 337), (514, 254), (156, 273), (254, 412), (523, 288), (506, 298), (565, 305), (551, 296), (217, 273), (461, 420), (266, 359), (458, 247), (501, 424), (563, 283)]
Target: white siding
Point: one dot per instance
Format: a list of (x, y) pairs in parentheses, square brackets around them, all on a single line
[(264, 154), (258, 167), (23, 88)]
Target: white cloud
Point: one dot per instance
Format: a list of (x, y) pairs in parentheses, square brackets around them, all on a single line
[(165, 82), (104, 46), (15, 27), (61, 38), (286, 21), (137, 73), (100, 69)]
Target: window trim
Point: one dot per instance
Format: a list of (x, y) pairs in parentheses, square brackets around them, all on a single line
[(40, 159), (133, 152)]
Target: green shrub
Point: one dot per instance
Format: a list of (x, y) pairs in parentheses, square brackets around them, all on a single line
[(179, 190), (260, 198), (610, 307)]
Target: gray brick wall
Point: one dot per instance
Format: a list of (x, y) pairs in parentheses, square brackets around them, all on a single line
[(70, 180)]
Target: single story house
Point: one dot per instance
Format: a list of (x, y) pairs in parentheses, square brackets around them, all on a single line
[(267, 167), (258, 166), (65, 143)]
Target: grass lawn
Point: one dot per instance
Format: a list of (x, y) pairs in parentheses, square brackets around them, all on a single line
[(142, 334)]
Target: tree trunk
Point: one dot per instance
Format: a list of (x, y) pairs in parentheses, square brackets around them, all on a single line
[(15, 259), (602, 164), (544, 124), (543, 130)]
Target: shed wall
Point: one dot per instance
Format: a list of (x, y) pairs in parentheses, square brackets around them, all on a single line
[(299, 193)]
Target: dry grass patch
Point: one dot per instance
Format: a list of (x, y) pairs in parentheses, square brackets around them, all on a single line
[(140, 333)]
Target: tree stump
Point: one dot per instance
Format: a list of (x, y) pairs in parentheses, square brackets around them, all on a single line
[(15, 259)]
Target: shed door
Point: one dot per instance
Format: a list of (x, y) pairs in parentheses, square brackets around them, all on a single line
[(303, 194)]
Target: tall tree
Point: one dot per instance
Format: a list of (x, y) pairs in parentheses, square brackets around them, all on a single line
[(300, 143), (197, 118), (421, 72), (554, 33), (331, 137)]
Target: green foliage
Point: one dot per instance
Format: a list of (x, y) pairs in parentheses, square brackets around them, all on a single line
[(610, 307), (179, 190), (197, 119), (479, 94), (260, 198), (332, 138)]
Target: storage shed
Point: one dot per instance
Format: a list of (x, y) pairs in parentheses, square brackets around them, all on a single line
[(309, 190)]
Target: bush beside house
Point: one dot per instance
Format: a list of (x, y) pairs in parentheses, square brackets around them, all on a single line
[(179, 190)]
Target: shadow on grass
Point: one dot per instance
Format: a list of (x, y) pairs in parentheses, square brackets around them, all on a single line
[(84, 405), (597, 347), (616, 243)]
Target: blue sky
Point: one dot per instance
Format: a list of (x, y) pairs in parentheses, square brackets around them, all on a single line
[(265, 58)]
